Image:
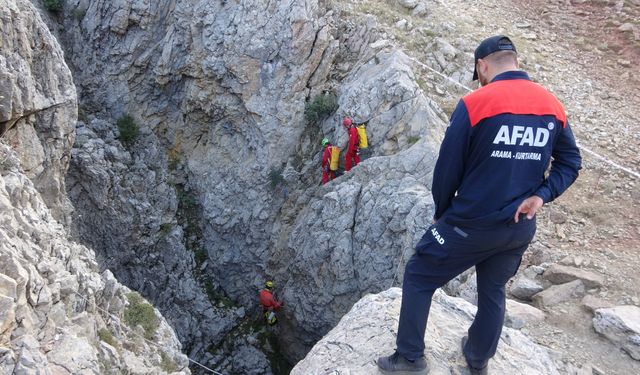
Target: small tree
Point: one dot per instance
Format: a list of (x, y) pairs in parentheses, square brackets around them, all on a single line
[(141, 313), (53, 5), (129, 130), (275, 177), (320, 107)]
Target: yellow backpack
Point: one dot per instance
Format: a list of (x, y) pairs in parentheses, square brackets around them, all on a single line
[(335, 158), (363, 142), (270, 317)]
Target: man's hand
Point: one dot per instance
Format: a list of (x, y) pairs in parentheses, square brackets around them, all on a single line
[(529, 206)]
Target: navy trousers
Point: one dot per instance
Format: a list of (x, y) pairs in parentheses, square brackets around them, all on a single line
[(444, 252)]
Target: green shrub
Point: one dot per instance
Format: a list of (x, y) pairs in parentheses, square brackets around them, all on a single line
[(217, 297), (106, 336), (167, 363), (413, 139), (129, 130), (173, 157), (53, 5), (79, 13), (141, 313), (320, 107), (275, 177), (200, 255), (165, 228)]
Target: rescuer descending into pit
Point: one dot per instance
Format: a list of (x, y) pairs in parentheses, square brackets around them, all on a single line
[(269, 304)]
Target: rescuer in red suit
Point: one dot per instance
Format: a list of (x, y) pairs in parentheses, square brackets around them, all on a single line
[(353, 153), (327, 173)]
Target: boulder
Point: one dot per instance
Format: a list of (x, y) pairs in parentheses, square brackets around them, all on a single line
[(8, 286), (559, 274), (626, 27), (621, 325), (520, 314), (524, 287), (369, 331), (593, 303), (73, 354), (559, 293), (7, 317), (409, 4)]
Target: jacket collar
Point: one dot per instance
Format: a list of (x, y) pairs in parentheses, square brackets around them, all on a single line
[(512, 74)]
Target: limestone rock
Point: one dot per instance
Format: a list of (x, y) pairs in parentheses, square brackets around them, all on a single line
[(621, 325), (593, 303), (464, 286), (368, 331), (559, 293), (7, 317), (626, 27), (409, 4), (355, 234), (8, 286), (73, 354), (50, 330), (524, 287), (420, 10), (37, 101), (559, 274), (215, 83), (519, 314)]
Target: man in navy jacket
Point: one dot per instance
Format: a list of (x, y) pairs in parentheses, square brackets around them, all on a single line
[(488, 183)]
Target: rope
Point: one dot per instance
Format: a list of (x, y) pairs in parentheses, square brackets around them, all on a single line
[(603, 158), (115, 318), (395, 274), (631, 172)]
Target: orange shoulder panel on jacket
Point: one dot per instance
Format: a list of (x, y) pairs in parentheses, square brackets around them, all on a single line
[(515, 96)]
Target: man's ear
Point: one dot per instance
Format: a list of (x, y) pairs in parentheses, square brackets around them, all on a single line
[(482, 66)]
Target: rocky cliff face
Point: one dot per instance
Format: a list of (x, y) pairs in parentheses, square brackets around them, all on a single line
[(218, 90), (37, 102), (219, 191), (58, 313), (353, 235)]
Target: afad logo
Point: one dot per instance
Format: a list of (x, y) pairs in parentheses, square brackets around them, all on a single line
[(523, 135), (437, 236)]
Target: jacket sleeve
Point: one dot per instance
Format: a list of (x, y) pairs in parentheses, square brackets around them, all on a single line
[(326, 155), (450, 166), (565, 165), (276, 305)]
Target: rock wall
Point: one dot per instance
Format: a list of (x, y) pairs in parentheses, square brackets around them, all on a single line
[(218, 90), (354, 235), (219, 192), (37, 101), (58, 314)]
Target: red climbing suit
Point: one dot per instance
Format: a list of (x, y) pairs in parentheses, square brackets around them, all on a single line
[(327, 173), (352, 154), (268, 302)]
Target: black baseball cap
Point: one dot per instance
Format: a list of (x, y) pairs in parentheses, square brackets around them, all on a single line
[(489, 46)]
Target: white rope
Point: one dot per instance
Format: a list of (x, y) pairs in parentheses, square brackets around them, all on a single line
[(603, 158), (117, 320), (441, 75), (397, 269), (631, 172)]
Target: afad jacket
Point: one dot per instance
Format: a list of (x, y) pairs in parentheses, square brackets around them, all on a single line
[(500, 142)]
